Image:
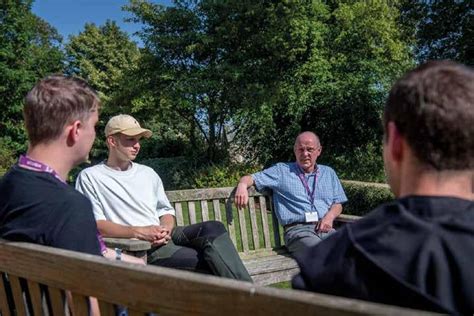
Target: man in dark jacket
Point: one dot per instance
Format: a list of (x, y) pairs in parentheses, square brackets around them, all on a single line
[(417, 250)]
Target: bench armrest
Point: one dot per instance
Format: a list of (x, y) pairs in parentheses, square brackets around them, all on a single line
[(127, 244), (345, 218)]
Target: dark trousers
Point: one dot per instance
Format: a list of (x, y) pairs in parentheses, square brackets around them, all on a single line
[(204, 247)]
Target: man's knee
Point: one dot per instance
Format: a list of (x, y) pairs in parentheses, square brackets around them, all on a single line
[(213, 229), (299, 243), (185, 258)]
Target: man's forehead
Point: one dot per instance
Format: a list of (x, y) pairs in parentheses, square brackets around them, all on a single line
[(306, 140)]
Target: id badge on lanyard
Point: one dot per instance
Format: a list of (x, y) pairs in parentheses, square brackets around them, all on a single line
[(310, 215)]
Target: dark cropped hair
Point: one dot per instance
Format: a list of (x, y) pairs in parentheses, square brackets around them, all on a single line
[(433, 108), (54, 102)]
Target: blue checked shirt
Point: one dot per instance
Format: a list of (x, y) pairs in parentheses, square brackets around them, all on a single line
[(289, 194)]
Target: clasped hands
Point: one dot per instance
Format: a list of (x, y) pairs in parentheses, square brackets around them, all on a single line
[(156, 234)]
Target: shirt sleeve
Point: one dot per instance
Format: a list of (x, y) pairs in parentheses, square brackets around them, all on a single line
[(163, 205), (85, 186), (268, 178), (339, 194)]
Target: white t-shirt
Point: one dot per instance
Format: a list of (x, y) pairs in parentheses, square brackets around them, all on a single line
[(134, 197)]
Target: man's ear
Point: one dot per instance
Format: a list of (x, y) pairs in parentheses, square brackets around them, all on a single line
[(111, 141), (396, 142), (72, 132)]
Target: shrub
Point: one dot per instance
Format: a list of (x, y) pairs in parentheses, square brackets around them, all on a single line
[(7, 156), (214, 176), (364, 197), (363, 164), (185, 173), (175, 172)]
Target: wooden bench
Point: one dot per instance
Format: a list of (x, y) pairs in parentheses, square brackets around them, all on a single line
[(41, 275), (254, 230)]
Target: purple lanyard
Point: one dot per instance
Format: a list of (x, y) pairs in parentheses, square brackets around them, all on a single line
[(28, 163), (309, 193)]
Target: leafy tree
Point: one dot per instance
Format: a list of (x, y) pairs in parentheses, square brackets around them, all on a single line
[(254, 74), (440, 29), (367, 53), (29, 50), (338, 90), (103, 55), (210, 62)]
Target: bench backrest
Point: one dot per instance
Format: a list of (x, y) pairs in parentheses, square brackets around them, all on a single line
[(39, 269), (252, 229)]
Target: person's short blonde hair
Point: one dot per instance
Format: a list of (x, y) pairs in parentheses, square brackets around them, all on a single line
[(53, 103)]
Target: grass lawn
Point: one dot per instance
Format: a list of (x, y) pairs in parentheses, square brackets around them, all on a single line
[(282, 285)]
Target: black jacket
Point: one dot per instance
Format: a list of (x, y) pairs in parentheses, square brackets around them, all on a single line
[(414, 252)]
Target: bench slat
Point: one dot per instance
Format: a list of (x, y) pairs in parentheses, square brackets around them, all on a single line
[(243, 229), (192, 212), (253, 224), (204, 211), (205, 194), (56, 300), (217, 210), (4, 309), (179, 214), (35, 295), (17, 294), (106, 308), (266, 230), (230, 221), (132, 312), (276, 228), (80, 304)]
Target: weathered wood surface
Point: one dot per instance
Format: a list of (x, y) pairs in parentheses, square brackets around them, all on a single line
[(127, 244), (166, 291), (271, 269), (205, 194)]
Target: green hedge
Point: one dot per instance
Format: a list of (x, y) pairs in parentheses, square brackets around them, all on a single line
[(181, 173), (364, 196)]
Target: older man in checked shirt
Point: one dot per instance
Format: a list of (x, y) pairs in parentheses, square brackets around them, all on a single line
[(307, 196)]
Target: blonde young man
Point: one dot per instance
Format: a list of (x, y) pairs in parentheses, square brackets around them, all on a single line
[(307, 196), (417, 250), (36, 204), (129, 201)]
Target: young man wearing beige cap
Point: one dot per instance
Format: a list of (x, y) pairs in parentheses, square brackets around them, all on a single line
[(129, 201)]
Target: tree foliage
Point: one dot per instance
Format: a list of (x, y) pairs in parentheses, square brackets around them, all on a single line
[(441, 29), (103, 55), (29, 50), (210, 62), (227, 79), (257, 73)]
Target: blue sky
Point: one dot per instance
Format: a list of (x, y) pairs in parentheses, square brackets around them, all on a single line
[(69, 16)]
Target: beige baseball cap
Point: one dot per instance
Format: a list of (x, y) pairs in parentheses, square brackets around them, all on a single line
[(127, 125)]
